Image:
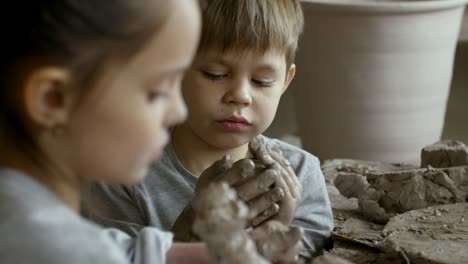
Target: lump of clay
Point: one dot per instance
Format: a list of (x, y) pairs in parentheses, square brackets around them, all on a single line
[(220, 220), (391, 193), (351, 184), (436, 234), (444, 154), (331, 168)]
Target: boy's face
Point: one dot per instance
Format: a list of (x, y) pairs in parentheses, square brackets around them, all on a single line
[(232, 97)]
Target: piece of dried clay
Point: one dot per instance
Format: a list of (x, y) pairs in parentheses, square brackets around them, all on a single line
[(439, 237), (386, 194), (351, 184), (444, 154)]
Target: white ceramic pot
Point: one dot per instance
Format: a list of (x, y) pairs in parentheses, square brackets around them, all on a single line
[(373, 76)]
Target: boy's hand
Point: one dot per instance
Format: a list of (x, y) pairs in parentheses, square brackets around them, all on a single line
[(253, 183), (278, 242), (287, 181), (270, 189)]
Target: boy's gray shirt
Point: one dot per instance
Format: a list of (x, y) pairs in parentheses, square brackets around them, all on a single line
[(169, 187), (37, 227)]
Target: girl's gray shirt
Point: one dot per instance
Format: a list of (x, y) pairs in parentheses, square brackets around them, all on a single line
[(37, 227)]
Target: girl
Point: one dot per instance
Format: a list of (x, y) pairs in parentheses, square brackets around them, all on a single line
[(88, 90)]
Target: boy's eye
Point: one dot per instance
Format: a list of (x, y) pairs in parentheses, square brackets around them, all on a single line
[(263, 83), (214, 76)]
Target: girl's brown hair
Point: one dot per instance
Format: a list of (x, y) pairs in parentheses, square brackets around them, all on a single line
[(79, 35)]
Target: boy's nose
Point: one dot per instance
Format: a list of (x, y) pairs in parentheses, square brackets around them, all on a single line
[(239, 94)]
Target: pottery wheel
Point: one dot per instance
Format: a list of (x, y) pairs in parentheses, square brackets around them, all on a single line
[(436, 234)]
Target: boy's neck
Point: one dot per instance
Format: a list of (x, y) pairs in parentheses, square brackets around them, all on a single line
[(66, 189), (196, 155)]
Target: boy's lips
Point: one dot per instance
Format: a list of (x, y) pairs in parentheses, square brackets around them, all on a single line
[(236, 119), (234, 124)]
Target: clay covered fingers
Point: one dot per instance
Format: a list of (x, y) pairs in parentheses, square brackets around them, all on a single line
[(272, 158), (255, 185), (278, 242)]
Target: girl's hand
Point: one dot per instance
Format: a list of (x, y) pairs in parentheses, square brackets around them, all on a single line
[(277, 242), (182, 227)]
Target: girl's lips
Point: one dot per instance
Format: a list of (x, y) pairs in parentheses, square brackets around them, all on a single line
[(157, 156)]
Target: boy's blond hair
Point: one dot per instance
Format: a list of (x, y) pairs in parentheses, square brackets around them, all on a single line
[(258, 25)]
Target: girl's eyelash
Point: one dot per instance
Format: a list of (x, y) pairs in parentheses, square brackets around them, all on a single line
[(153, 95), (213, 76)]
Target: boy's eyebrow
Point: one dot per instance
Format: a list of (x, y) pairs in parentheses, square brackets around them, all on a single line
[(267, 67), (222, 61)]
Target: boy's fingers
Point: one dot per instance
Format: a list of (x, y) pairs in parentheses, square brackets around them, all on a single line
[(213, 173), (281, 182), (266, 200), (255, 144), (239, 171), (260, 151), (266, 214), (256, 186), (288, 174), (218, 168)]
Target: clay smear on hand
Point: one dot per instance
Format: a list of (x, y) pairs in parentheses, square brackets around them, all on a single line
[(220, 222)]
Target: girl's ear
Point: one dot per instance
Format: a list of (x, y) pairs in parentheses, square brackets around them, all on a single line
[(47, 97), (289, 76)]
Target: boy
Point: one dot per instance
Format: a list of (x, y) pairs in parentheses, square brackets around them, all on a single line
[(243, 66)]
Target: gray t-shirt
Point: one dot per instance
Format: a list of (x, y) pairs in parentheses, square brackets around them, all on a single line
[(37, 227), (169, 187)]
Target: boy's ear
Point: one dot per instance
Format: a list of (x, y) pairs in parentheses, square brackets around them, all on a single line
[(47, 97), (289, 76)]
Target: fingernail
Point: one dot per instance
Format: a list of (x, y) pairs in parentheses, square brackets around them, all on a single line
[(265, 183), (228, 161), (267, 158), (277, 149), (277, 194), (275, 208)]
